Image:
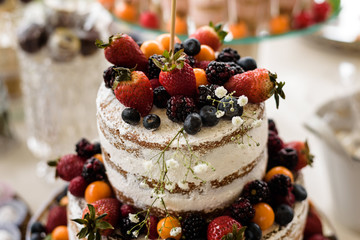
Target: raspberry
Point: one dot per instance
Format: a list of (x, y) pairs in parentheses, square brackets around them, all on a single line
[(272, 126), (93, 170), (202, 64), (86, 149), (194, 227), (109, 76), (275, 144), (77, 186), (228, 55), (57, 216), (161, 96), (288, 199), (69, 166), (220, 72), (242, 211), (151, 227), (153, 70), (204, 92), (256, 191), (280, 185), (126, 210), (288, 158), (178, 107)]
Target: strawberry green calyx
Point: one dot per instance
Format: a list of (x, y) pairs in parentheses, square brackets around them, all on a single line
[(171, 61), (92, 225), (236, 234), (122, 75), (277, 91), (101, 44), (307, 153), (218, 29)]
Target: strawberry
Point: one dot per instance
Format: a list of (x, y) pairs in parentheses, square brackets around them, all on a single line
[(176, 76), (56, 217), (225, 227), (211, 35), (313, 224), (133, 89), (303, 20), (321, 11), (68, 166), (99, 218), (149, 19), (304, 156), (258, 85), (123, 51)]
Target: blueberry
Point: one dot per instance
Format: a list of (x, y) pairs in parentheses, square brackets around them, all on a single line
[(178, 47), (97, 148), (37, 227), (288, 158), (299, 192), (151, 122), (247, 63), (230, 107), (191, 46), (208, 115), (284, 214), (193, 123), (253, 232), (131, 116)]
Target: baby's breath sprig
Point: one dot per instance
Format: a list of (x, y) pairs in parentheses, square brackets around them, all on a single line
[(190, 160)]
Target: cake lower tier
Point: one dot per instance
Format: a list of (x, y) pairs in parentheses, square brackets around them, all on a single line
[(292, 231)]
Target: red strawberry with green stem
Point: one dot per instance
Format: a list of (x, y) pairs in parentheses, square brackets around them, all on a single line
[(211, 35), (133, 89), (68, 166), (99, 218), (304, 156), (123, 51), (176, 76), (225, 228), (258, 85)]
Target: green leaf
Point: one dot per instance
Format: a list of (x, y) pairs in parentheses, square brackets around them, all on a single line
[(92, 211), (83, 233), (80, 221), (101, 216), (53, 163), (48, 237), (103, 225)]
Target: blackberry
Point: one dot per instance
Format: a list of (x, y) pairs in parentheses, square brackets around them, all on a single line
[(126, 225), (194, 227), (161, 96), (178, 107), (288, 158), (256, 191), (93, 170), (288, 199), (153, 70), (219, 72), (190, 60), (228, 55), (272, 126), (280, 185), (275, 144), (109, 76), (204, 92), (242, 211), (85, 149), (236, 67), (178, 47)]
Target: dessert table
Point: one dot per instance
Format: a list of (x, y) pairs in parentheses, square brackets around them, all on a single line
[(311, 73)]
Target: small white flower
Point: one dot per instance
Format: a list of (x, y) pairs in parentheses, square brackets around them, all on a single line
[(135, 233), (175, 231), (183, 185), (144, 185), (242, 146), (172, 163), (219, 113), (220, 92), (256, 123), (201, 168), (170, 186), (237, 121), (208, 97), (148, 165), (242, 101), (157, 194), (133, 218)]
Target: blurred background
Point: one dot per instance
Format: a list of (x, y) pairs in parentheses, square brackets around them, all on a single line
[(50, 71)]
